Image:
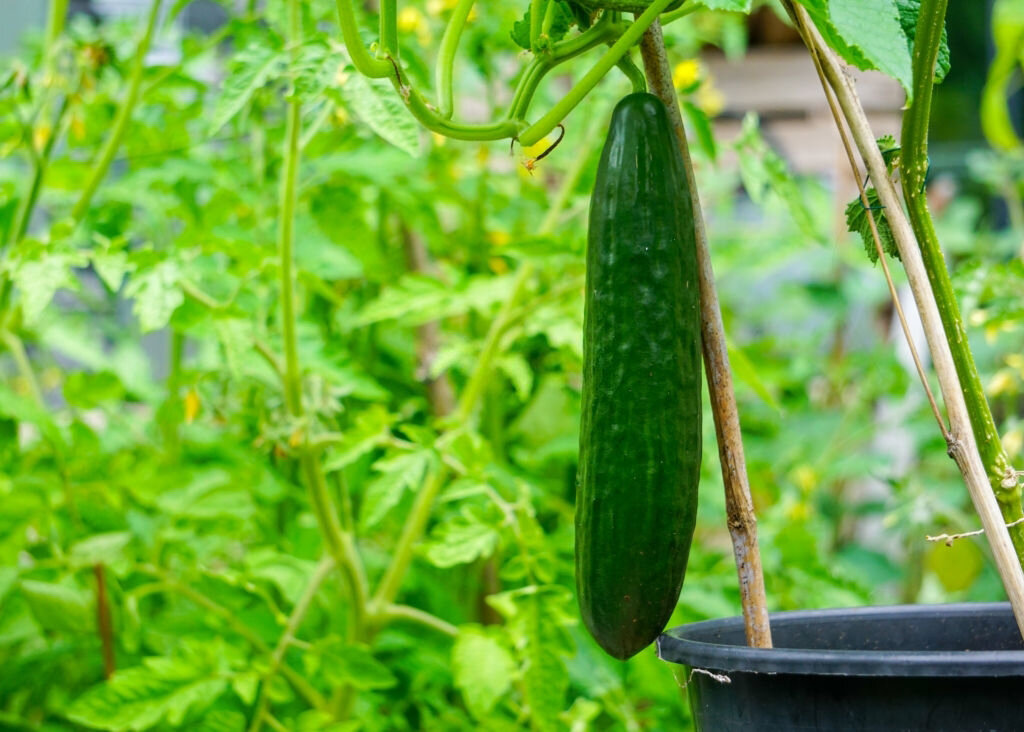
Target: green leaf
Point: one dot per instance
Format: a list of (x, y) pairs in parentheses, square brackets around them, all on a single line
[(369, 430), (867, 34), (460, 540), (38, 281), (483, 669), (909, 10), (250, 70), (401, 472), (106, 548), (59, 608), (564, 19), (702, 127), (111, 266), (763, 171), (732, 6), (353, 664), (156, 294), (857, 222), (162, 689), (377, 104)]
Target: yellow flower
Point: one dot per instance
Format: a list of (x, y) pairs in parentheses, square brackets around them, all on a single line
[(192, 405), (710, 99), (499, 238), (805, 478), (410, 20), (498, 265), (686, 73), (798, 511), (1002, 382)]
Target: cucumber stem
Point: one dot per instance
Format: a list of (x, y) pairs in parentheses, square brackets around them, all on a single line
[(739, 506), (914, 167), (961, 444)]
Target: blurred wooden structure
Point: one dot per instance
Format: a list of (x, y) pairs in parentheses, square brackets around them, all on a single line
[(780, 85)]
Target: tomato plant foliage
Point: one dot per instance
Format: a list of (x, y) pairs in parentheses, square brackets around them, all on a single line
[(164, 562)]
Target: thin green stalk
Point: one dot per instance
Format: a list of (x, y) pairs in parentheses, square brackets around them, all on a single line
[(549, 20), (299, 612), (626, 41), (389, 27), (364, 62), (446, 57), (633, 73), (16, 346), (230, 618), (340, 544), (603, 31), (682, 12), (415, 615), (537, 11), (40, 163), (914, 169), (476, 387), (286, 244), (124, 114), (55, 18)]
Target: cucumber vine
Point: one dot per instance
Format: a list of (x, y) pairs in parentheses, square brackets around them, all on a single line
[(383, 60)]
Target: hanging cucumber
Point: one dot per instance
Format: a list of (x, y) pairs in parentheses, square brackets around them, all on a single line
[(640, 437)]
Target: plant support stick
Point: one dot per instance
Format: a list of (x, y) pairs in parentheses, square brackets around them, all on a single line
[(914, 169), (739, 506), (961, 446)]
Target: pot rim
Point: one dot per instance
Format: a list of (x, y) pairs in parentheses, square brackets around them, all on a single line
[(693, 645)]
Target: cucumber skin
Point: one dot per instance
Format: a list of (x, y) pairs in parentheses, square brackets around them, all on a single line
[(640, 434)]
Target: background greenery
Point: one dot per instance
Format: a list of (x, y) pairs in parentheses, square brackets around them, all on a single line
[(145, 435)]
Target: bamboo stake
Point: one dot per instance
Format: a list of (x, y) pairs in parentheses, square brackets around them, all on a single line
[(739, 505), (961, 445)]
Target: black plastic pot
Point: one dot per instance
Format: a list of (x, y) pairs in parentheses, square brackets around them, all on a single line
[(910, 667)]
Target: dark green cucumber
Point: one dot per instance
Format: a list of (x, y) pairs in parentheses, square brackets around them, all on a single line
[(640, 437)]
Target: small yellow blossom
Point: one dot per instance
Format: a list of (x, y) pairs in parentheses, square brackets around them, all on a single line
[(798, 511), (498, 238), (805, 478), (439, 139), (1002, 382), (686, 73), (710, 99), (410, 20), (192, 405), (498, 265)]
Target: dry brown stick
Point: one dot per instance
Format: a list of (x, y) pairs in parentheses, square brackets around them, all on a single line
[(428, 336), (961, 445), (739, 506), (103, 623)]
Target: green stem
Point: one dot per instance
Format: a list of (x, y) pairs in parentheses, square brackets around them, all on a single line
[(446, 57), (169, 583), (549, 19), (603, 31), (124, 114), (475, 389), (404, 612), (365, 63), (299, 612), (633, 73), (914, 169), (55, 18), (40, 163), (340, 544), (389, 27), (537, 10), (682, 12), (16, 346), (627, 40)]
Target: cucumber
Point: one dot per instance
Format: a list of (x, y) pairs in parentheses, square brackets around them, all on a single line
[(640, 434)]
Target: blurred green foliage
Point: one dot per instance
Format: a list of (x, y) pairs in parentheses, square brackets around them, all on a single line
[(144, 433)]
